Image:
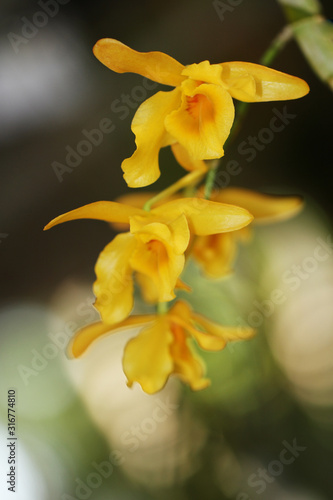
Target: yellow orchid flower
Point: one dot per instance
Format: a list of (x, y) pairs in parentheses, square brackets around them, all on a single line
[(163, 346), (216, 253), (153, 248), (196, 116)]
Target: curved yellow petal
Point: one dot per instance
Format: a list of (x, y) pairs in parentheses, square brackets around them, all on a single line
[(142, 168), (149, 290), (147, 359), (180, 234), (243, 88), (187, 364), (159, 254), (114, 285), (180, 285), (182, 156), (204, 72), (172, 231), (156, 66), (225, 333), (209, 342), (264, 207), (210, 335), (205, 340), (215, 253), (206, 217), (149, 230), (251, 82), (202, 123), (109, 211), (87, 335), (154, 262), (182, 309)]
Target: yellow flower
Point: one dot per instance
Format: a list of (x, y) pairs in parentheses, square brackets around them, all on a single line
[(216, 253), (197, 115), (164, 346), (153, 248)]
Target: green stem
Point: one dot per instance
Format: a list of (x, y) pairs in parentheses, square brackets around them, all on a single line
[(266, 60), (162, 307), (242, 108), (188, 179), (276, 46), (209, 184), (314, 34)]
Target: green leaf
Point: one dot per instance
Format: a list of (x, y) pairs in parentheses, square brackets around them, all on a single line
[(315, 38), (314, 35), (304, 7)]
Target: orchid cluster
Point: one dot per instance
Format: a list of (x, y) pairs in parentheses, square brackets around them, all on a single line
[(159, 232)]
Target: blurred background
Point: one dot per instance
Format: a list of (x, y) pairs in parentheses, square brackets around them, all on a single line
[(81, 432)]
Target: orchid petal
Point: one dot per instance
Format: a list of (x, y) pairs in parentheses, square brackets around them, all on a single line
[(156, 66), (184, 159), (264, 207), (215, 253), (204, 72), (87, 335), (109, 211), (206, 217), (142, 168), (159, 253), (187, 364), (251, 82), (147, 359), (114, 285), (203, 121), (224, 333)]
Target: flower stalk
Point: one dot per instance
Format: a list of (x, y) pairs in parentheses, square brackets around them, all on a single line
[(195, 118), (188, 180), (266, 59)]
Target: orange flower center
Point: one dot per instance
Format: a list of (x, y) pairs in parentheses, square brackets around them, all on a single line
[(194, 105), (177, 332), (155, 246), (158, 251), (199, 107)]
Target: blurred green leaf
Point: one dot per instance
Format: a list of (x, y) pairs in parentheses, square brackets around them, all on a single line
[(314, 35), (300, 8)]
